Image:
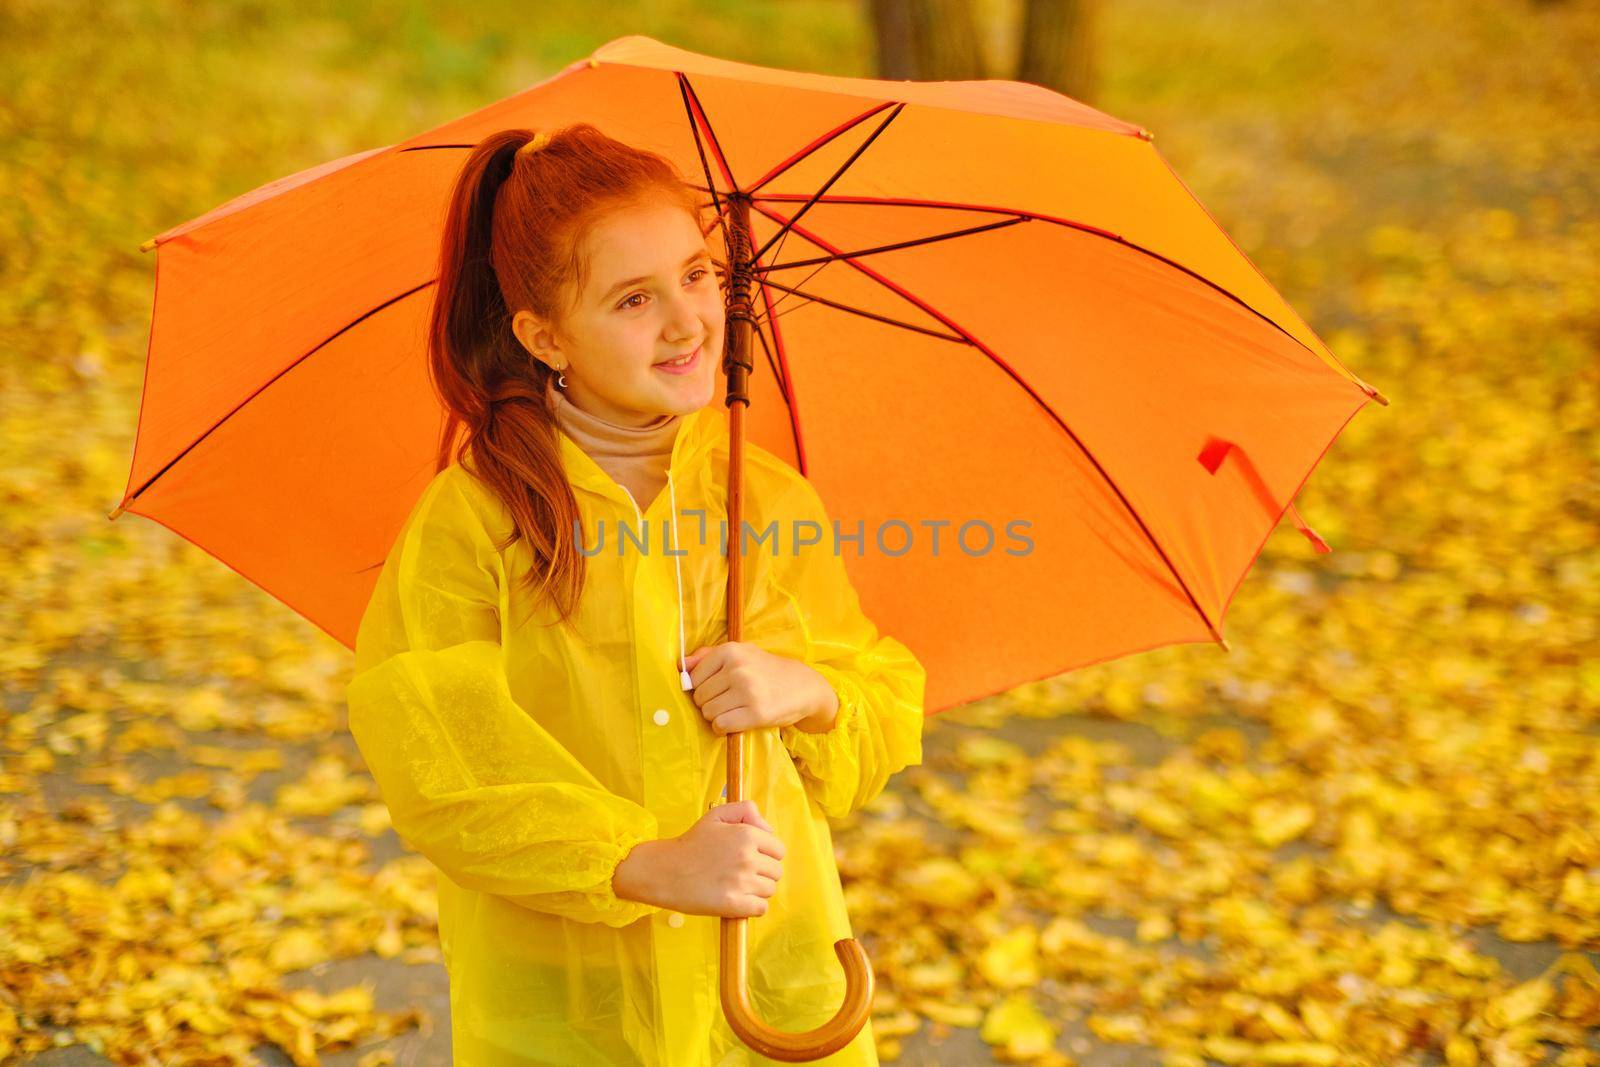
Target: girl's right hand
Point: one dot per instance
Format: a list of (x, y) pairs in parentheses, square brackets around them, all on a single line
[(727, 864)]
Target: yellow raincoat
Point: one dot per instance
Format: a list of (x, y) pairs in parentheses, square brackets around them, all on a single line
[(525, 764)]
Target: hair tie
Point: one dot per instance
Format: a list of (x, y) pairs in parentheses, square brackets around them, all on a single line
[(536, 142)]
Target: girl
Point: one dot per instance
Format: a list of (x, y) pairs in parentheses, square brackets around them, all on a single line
[(546, 719)]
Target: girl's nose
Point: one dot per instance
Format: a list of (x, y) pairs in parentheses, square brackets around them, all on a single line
[(683, 323)]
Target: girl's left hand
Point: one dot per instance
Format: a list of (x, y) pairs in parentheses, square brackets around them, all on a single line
[(741, 686)]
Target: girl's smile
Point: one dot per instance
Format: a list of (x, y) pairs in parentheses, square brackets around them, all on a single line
[(686, 365)]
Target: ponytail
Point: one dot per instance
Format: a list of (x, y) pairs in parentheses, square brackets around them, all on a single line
[(511, 241)]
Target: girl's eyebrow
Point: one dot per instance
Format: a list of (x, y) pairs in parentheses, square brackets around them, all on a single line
[(696, 254)]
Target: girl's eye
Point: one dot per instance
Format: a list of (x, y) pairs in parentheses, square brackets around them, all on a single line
[(626, 305)]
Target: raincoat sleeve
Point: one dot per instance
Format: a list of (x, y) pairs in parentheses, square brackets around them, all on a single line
[(471, 779), (880, 684)]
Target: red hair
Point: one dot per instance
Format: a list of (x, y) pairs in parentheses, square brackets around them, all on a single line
[(512, 241)]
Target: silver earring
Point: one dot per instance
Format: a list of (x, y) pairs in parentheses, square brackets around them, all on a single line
[(561, 380)]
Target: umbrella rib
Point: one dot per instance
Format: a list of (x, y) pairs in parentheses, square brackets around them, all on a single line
[(697, 119), (777, 342), (691, 104), (823, 261), (898, 244), (808, 150), (783, 386), (993, 357), (1086, 228), (818, 143), (313, 350), (1365, 388), (835, 176), (772, 308), (865, 314)]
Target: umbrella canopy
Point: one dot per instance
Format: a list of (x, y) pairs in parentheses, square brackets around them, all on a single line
[(996, 331)]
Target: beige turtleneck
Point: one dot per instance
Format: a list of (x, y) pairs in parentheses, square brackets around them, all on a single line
[(636, 457)]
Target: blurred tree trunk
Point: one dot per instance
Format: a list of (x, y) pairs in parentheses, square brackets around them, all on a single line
[(891, 27), (1058, 47), (929, 40)]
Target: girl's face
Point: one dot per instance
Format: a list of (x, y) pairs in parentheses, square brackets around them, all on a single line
[(650, 298)]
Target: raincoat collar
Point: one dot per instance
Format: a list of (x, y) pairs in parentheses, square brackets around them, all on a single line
[(698, 432)]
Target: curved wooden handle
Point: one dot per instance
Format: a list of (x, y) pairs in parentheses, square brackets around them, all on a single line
[(852, 1015), (824, 1040), (814, 1044), (782, 1045)]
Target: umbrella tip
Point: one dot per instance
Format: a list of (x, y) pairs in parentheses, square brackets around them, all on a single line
[(148, 245), (1223, 641), (1379, 397), (118, 510)]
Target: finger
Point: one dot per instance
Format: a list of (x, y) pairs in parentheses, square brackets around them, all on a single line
[(711, 688), (744, 811), (769, 867), (732, 722), (773, 847), (755, 818), (752, 816), (708, 664), (722, 703)]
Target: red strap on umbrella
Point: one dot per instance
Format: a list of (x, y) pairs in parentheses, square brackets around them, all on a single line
[(1216, 450)]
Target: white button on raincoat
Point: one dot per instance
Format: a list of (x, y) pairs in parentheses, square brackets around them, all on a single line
[(525, 763)]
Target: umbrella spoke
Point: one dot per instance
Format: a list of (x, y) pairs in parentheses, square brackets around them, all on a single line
[(698, 120), (826, 138), (994, 358), (313, 350), (877, 201), (818, 143), (780, 371), (772, 307), (808, 150), (824, 260), (829, 183), (813, 298), (777, 375), (697, 115)]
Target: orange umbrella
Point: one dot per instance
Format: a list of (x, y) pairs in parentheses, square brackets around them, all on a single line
[(1060, 408)]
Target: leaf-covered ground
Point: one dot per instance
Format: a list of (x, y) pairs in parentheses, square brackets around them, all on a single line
[(1369, 835)]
